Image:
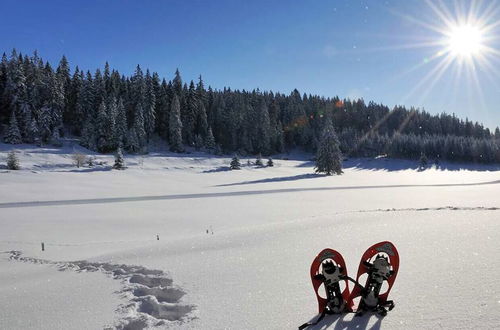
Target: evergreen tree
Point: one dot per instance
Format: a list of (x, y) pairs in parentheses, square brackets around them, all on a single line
[(13, 135), (88, 138), (120, 124), (55, 139), (177, 84), (198, 142), (175, 126), (45, 101), (149, 106), (32, 134), (139, 125), (102, 129), (64, 80), (119, 161), (106, 126), (423, 161), (132, 141), (13, 161), (235, 163), (329, 156), (263, 133), (163, 110), (210, 140), (201, 122), (45, 123), (189, 114)]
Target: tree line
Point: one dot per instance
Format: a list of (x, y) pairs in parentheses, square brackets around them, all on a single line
[(108, 110)]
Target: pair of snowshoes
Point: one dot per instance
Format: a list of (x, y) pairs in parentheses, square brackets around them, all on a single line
[(379, 264)]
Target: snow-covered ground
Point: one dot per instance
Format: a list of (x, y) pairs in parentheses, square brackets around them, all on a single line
[(104, 266)]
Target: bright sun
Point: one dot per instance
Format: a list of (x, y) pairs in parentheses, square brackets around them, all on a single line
[(465, 41)]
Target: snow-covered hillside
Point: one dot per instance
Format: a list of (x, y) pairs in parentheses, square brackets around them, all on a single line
[(179, 241)]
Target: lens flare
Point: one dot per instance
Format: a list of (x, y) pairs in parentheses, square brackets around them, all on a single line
[(465, 40)]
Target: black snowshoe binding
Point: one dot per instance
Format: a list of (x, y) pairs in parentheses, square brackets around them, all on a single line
[(331, 275), (378, 272)]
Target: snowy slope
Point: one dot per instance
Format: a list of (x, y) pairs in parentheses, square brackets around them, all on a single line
[(267, 223)]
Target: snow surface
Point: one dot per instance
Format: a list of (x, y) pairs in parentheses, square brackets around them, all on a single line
[(103, 265)]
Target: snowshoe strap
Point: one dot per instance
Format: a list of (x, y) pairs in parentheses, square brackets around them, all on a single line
[(305, 325), (355, 282)]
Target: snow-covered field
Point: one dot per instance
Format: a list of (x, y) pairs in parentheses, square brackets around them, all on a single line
[(104, 266)]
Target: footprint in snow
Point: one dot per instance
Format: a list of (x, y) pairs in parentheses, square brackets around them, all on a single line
[(153, 300)]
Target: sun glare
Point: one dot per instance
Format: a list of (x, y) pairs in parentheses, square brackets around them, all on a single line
[(465, 40)]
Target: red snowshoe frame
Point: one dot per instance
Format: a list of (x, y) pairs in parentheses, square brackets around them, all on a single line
[(315, 268), (383, 247)]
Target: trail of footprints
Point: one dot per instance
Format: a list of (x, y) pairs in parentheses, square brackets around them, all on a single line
[(153, 300)]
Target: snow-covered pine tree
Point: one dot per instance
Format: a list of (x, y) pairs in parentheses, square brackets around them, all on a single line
[(198, 142), (423, 161), (262, 140), (132, 141), (177, 84), (102, 129), (329, 156), (149, 106), (15, 84), (163, 110), (12, 161), (13, 135), (235, 163), (88, 138), (210, 140), (189, 114), (32, 135), (202, 123), (280, 142), (64, 78), (55, 139), (121, 124), (119, 161), (112, 112), (56, 99), (175, 126), (45, 123), (139, 125)]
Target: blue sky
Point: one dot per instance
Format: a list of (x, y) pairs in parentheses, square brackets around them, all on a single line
[(370, 49)]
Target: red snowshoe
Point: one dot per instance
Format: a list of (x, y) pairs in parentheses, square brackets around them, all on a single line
[(329, 269), (380, 263)]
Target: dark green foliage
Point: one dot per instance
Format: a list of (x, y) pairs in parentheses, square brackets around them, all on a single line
[(329, 156), (13, 161), (235, 163), (198, 142), (175, 126), (119, 161), (423, 161), (249, 122), (210, 141), (13, 135)]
